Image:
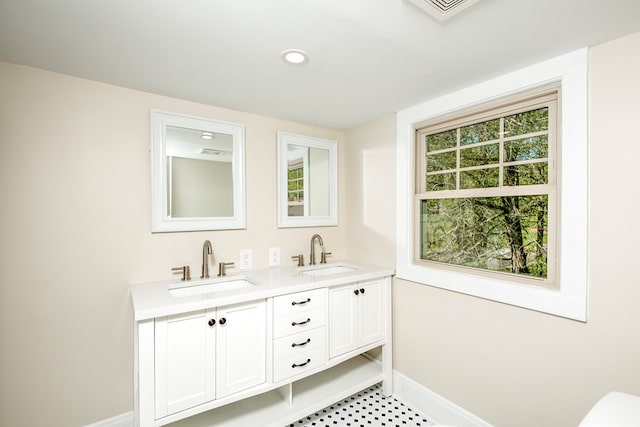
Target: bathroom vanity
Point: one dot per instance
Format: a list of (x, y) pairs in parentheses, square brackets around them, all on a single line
[(263, 348)]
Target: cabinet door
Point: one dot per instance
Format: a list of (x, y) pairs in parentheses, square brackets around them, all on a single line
[(184, 359), (342, 320), (241, 347), (371, 325)]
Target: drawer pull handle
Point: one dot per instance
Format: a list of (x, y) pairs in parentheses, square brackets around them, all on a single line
[(298, 365), (301, 302), (300, 323), (302, 343)]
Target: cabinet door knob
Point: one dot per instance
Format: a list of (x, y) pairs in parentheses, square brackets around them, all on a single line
[(223, 321), (295, 344), (362, 290), (212, 322), (298, 365), (301, 302), (357, 292), (293, 323)]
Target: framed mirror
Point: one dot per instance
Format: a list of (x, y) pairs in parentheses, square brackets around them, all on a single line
[(307, 181), (197, 173)]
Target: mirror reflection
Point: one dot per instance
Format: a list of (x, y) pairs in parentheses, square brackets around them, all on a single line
[(307, 181), (197, 173), (200, 173)]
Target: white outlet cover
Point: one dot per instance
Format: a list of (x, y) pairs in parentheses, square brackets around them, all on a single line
[(246, 259), (274, 257)]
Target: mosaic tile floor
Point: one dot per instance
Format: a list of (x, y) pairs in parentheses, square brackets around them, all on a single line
[(368, 408)]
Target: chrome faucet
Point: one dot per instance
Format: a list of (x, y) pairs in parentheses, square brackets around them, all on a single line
[(312, 256), (206, 251)]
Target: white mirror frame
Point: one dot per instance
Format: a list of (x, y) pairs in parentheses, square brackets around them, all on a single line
[(160, 221), (286, 221)]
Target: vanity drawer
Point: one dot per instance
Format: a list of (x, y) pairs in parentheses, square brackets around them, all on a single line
[(298, 322), (299, 302), (295, 365), (293, 345)]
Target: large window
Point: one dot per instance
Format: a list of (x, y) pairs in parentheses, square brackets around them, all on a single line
[(492, 189), (485, 189)]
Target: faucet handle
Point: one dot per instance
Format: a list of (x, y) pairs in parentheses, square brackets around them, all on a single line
[(300, 259), (323, 257), (186, 272), (222, 268)]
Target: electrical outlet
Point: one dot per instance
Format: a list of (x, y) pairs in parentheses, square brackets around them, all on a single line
[(246, 256), (274, 256)]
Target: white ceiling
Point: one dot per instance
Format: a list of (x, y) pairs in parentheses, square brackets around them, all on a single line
[(369, 58)]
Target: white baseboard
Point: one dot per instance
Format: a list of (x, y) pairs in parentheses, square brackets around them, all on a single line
[(433, 406), (436, 408), (122, 420)]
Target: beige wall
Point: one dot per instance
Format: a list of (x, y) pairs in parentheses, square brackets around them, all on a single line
[(75, 232), (370, 185), (508, 365)]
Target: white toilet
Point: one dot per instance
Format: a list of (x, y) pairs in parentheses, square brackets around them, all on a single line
[(614, 410)]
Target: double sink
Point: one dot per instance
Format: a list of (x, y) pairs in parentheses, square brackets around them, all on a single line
[(240, 281)]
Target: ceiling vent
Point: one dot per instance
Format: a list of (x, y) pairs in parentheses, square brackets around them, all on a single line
[(212, 151), (443, 9)]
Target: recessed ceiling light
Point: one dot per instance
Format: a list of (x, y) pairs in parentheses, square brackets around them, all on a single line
[(295, 56)]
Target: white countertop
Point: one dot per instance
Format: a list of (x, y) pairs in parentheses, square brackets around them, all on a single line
[(154, 299)]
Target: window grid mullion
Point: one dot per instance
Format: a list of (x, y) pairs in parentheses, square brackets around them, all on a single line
[(523, 190), (458, 158), (501, 154)]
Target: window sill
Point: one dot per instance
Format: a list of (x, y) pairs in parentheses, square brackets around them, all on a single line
[(551, 301)]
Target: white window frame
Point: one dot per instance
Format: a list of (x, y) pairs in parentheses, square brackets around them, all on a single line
[(570, 298)]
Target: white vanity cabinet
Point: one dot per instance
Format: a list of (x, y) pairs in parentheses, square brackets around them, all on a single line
[(240, 347), (208, 354), (299, 333), (356, 316), (265, 355), (185, 362)]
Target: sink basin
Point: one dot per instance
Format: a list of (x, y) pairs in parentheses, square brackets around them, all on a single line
[(327, 270), (209, 286)]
